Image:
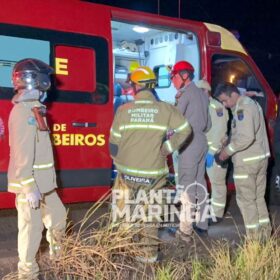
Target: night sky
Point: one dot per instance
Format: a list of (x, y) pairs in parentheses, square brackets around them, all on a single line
[(258, 23)]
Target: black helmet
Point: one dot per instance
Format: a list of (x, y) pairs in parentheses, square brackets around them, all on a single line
[(31, 73)]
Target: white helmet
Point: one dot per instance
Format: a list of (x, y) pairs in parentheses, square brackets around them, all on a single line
[(30, 74)]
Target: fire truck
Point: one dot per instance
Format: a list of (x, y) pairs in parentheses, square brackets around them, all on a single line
[(91, 47)]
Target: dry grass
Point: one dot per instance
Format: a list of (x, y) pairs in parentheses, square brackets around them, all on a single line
[(99, 250), (95, 249), (250, 261)]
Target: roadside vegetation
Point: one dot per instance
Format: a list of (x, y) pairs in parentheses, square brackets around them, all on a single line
[(95, 249)]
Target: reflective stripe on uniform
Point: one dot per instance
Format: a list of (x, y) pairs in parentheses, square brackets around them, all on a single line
[(209, 143), (256, 157), (264, 221), (213, 148), (116, 133), (169, 146), (213, 105), (143, 172), (217, 204), (143, 126), (15, 185), (143, 102), (231, 148), (21, 200), (27, 181), (239, 176), (252, 226), (182, 127), (43, 166)]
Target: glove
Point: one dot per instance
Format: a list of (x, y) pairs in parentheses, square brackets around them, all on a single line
[(209, 160), (33, 198), (222, 163)]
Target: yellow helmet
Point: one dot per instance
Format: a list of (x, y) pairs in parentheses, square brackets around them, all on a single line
[(143, 76)]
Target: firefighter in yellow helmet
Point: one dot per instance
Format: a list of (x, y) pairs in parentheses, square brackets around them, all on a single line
[(139, 146), (31, 173), (249, 150), (132, 67), (216, 136)]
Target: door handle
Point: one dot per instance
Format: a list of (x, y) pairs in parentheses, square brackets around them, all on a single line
[(83, 124)]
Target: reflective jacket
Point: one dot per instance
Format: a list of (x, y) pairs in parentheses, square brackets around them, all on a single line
[(138, 142), (31, 163), (249, 142), (218, 131)]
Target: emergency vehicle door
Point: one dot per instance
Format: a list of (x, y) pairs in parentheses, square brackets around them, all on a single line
[(79, 108)]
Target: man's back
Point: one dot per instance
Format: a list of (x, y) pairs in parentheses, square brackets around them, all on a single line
[(193, 104), (140, 129)]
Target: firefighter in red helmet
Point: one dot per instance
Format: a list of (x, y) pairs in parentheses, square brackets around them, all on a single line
[(193, 104), (179, 69)]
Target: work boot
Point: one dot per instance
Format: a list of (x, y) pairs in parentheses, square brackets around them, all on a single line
[(265, 233), (28, 270)]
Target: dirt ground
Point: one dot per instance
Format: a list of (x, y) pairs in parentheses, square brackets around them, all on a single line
[(230, 229)]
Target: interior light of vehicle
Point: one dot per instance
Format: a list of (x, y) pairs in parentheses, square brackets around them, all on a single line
[(140, 29), (231, 78)]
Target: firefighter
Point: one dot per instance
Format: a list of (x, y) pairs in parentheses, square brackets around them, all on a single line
[(249, 150), (216, 136), (193, 104), (31, 173), (139, 146)]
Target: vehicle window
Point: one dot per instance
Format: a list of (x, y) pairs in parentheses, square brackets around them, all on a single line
[(226, 68), (121, 73), (11, 53), (76, 79)]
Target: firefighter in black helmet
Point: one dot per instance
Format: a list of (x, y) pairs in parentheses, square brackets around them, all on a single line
[(31, 173)]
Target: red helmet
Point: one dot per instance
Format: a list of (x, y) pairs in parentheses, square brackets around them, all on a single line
[(181, 66)]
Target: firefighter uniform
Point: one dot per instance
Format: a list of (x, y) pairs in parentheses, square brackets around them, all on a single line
[(139, 146), (31, 168), (249, 149), (193, 104), (216, 174)]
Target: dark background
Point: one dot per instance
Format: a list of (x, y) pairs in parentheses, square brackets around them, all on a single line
[(258, 24)]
